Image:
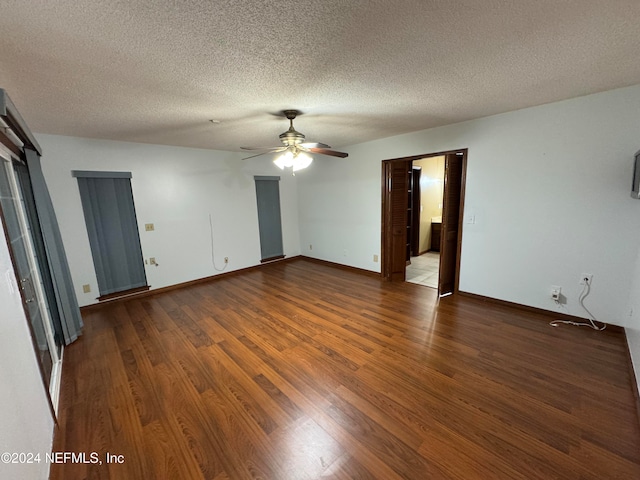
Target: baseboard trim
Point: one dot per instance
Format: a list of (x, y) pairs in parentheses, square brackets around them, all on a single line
[(341, 266), (540, 311), (156, 291)]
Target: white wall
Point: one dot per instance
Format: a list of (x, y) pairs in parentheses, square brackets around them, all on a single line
[(549, 187), (175, 189), (25, 417)]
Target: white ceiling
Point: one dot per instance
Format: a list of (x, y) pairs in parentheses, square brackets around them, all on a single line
[(156, 71)]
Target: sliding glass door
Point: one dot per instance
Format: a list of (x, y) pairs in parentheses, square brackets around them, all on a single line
[(27, 252), (25, 192)]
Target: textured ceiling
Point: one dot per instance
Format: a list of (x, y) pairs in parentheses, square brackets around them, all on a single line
[(156, 71)]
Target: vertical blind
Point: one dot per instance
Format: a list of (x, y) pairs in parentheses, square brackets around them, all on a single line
[(110, 216), (269, 221), (67, 304)]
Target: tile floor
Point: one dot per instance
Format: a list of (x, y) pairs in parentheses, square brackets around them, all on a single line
[(424, 269)]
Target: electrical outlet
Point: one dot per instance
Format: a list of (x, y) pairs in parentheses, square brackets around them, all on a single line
[(375, 258), (149, 227), (310, 247), (226, 259), (556, 293), (86, 288), (586, 278), (152, 261)]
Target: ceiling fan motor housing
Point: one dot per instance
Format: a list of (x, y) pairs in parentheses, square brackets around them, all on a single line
[(291, 136)]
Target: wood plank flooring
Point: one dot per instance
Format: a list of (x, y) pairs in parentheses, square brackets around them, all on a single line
[(300, 370)]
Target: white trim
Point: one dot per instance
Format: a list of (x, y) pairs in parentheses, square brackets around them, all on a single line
[(56, 381)]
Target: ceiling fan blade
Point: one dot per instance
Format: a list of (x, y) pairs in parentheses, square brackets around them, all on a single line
[(332, 153), (261, 148), (265, 153), (315, 145)]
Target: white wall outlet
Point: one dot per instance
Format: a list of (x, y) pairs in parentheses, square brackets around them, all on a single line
[(586, 278), (149, 227), (86, 288), (375, 258), (152, 261), (556, 293), (226, 259)]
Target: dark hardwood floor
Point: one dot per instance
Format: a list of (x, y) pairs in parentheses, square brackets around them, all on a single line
[(300, 370)]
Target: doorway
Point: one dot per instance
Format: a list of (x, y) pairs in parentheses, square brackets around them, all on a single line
[(427, 192), (398, 215)]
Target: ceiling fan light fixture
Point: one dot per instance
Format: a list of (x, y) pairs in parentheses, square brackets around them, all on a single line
[(294, 159), (285, 160), (302, 160)]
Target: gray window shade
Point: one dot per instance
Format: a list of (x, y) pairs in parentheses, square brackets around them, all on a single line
[(110, 216), (71, 320), (269, 221), (98, 174)]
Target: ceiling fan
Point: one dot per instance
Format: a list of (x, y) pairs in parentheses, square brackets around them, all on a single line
[(295, 151)]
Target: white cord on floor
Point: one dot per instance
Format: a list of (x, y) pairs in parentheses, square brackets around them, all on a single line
[(213, 254), (592, 321)]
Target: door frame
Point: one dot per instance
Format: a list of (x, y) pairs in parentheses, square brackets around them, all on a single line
[(386, 220), (416, 201)]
